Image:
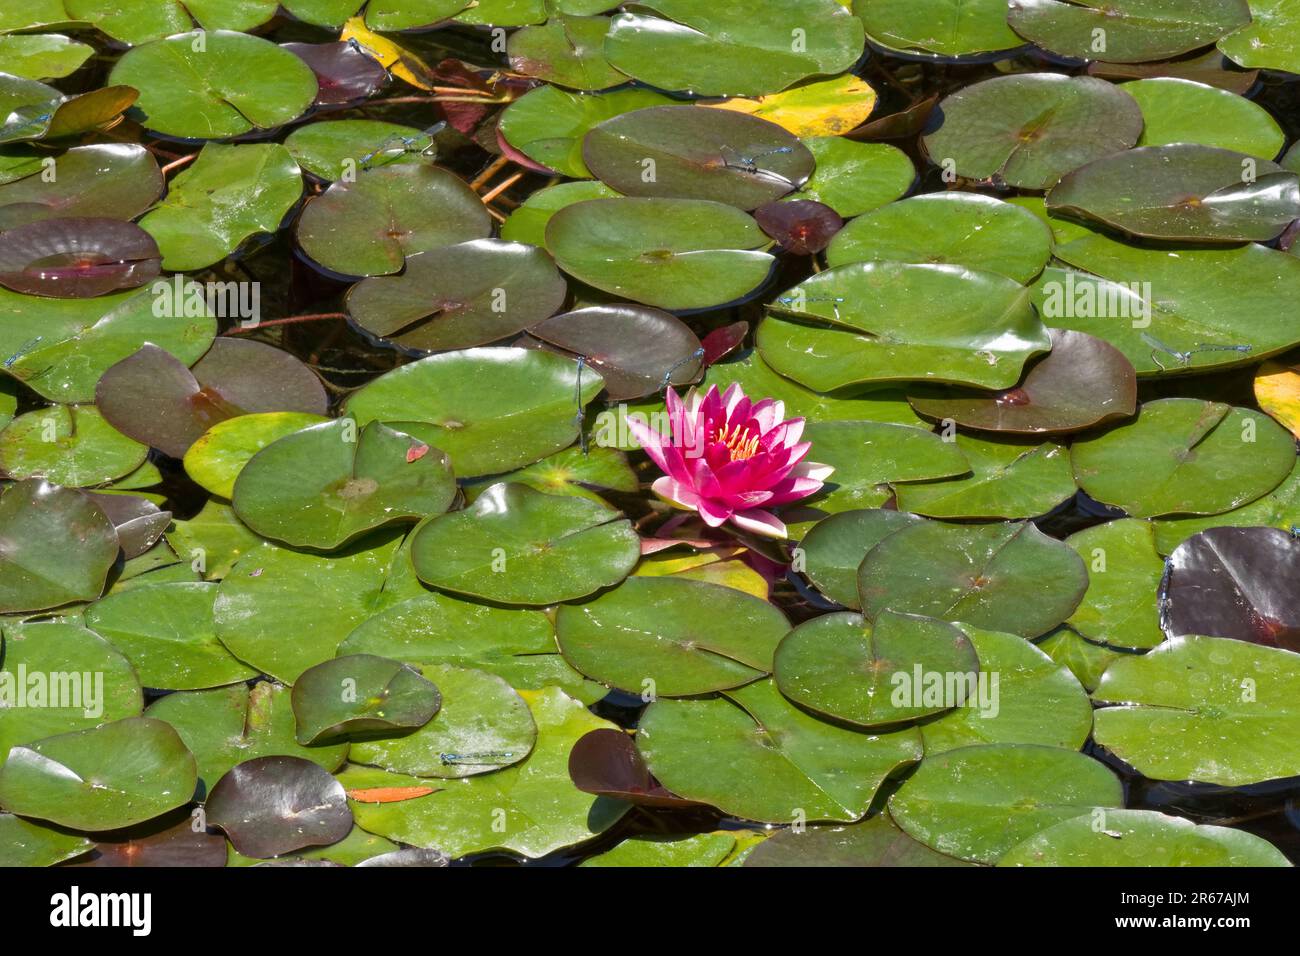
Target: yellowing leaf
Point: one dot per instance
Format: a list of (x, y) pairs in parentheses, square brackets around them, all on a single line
[(396, 59), (818, 108), (713, 566), (1277, 389)]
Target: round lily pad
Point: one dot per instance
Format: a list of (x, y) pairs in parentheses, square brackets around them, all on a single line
[(1141, 838), (937, 27), (835, 547), (332, 148), (326, 484), (166, 631), (876, 841), (731, 47), (1020, 696), (1082, 382), (1206, 709), (211, 85), (1030, 129), (1008, 478), (670, 253), (1124, 575), (671, 637), (846, 668), (226, 726), (1125, 31), (70, 445), (529, 412), (1235, 582), (228, 194), (111, 776), (107, 180), (1185, 192), (1184, 456), (273, 805), (59, 546), (77, 257), (1177, 110), (531, 808), (976, 803), (802, 226), (754, 755), (682, 152), (548, 124), (854, 178), (567, 51), (482, 726), (638, 351), (359, 694), (369, 226), (459, 296), (217, 457), (890, 321), (515, 545), (1002, 577), (528, 222), (962, 229)]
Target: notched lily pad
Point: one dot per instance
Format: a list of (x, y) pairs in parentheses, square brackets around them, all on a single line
[(358, 694), (77, 257)]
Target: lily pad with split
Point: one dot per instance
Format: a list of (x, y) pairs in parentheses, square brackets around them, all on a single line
[(835, 547), (77, 257), (565, 50), (331, 149), (217, 457), (1280, 508), (69, 445)]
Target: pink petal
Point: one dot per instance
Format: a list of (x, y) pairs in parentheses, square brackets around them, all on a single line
[(761, 522), (714, 515), (675, 492)]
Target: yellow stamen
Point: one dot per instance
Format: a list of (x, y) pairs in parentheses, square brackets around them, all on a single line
[(739, 442)]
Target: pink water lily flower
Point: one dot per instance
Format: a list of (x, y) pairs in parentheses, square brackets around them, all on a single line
[(731, 459)]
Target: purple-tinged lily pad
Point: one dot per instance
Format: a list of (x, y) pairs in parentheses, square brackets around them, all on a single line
[(270, 806), (77, 257)]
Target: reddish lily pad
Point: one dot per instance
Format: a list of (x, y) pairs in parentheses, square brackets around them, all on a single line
[(77, 258), (344, 72), (606, 763), (269, 806)]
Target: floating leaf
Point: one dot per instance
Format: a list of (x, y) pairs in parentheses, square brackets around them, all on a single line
[(1277, 389), (217, 457), (359, 694), (876, 841), (69, 445), (853, 178), (151, 845), (1183, 111), (814, 108), (332, 149), (77, 257), (802, 226), (1009, 479), (1268, 41), (107, 180), (27, 843), (1002, 577), (28, 107), (1087, 661), (528, 222), (606, 763), (566, 51), (835, 547), (344, 72), (273, 805), (938, 27), (1130, 30), (42, 56), (1124, 578), (699, 850)]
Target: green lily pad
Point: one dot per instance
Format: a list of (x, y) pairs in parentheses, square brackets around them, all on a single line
[(28, 107), (1185, 192), (216, 458), (835, 547), (226, 726), (57, 547), (853, 178), (355, 848), (1002, 577), (326, 484), (60, 347), (1009, 479), (1207, 709), (139, 21), (212, 85), (482, 726), (548, 124), (1183, 111), (1030, 129), (459, 296), (528, 222), (683, 152), (1125, 31), (1185, 456), (369, 226), (531, 808), (1280, 508), (213, 540), (876, 841), (58, 677), (528, 413), (514, 644), (566, 51), (409, 14), (1269, 40), (670, 253), (332, 149), (976, 803), (274, 592), (1086, 661), (113, 180), (754, 755), (938, 27), (733, 48), (1142, 838), (42, 56), (27, 843), (359, 694), (1021, 696), (513, 13), (891, 322), (104, 778), (963, 229), (698, 850), (668, 636), (515, 545), (166, 631), (1082, 382), (228, 194), (846, 668), (582, 474), (69, 445), (1124, 574)]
